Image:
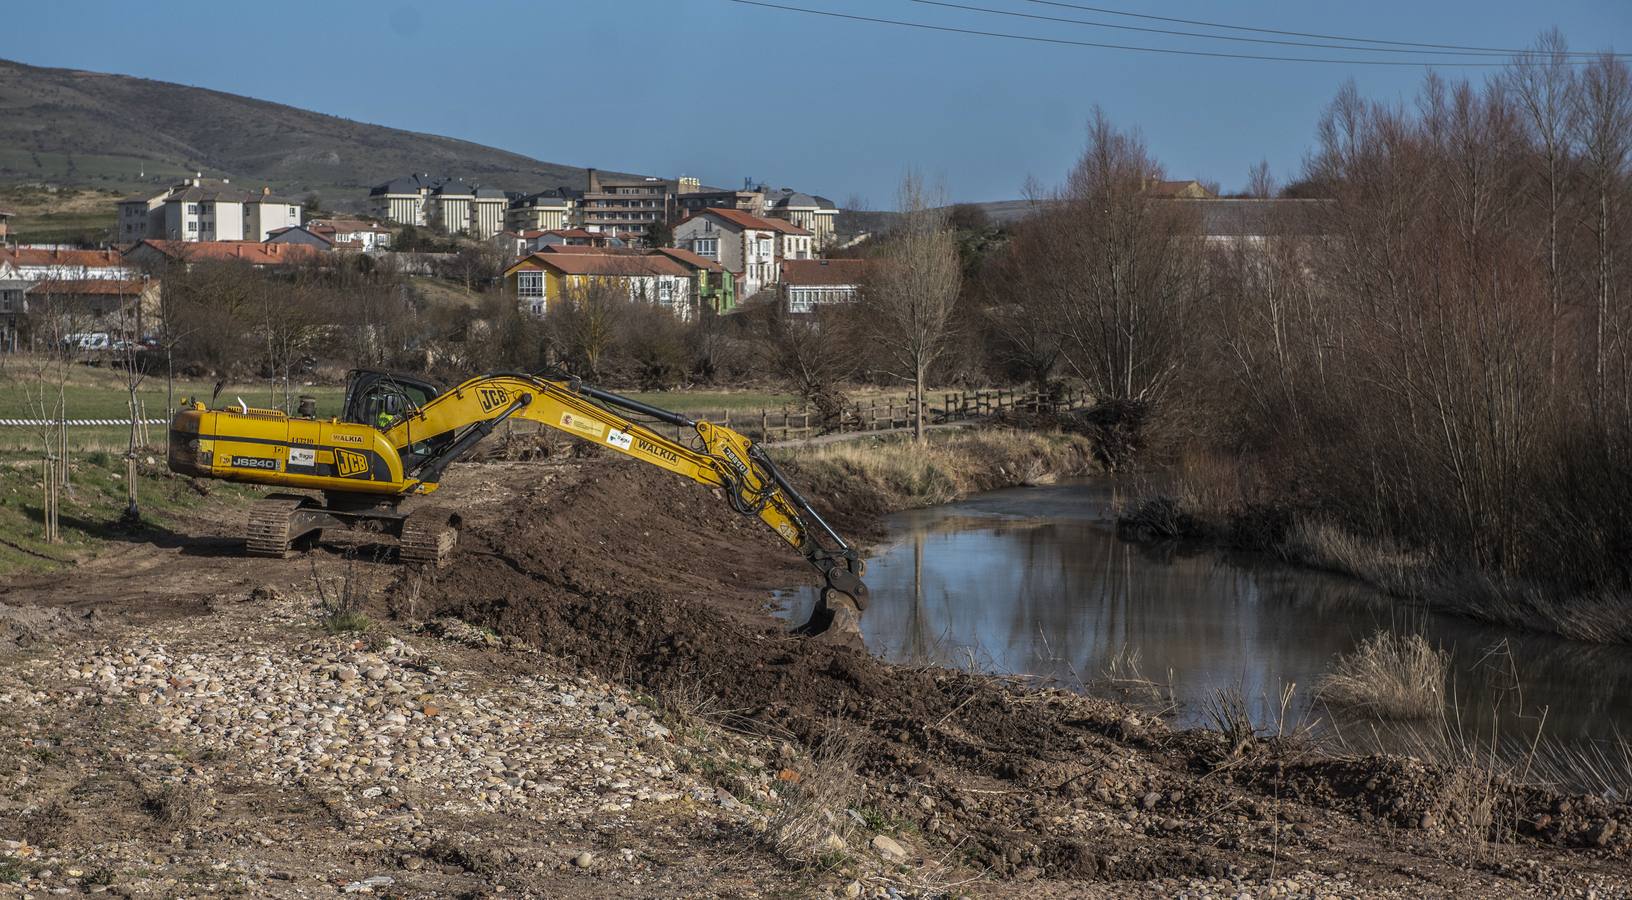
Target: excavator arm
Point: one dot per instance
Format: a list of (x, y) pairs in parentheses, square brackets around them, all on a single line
[(718, 457)]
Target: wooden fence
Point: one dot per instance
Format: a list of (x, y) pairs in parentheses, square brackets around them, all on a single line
[(892, 413)]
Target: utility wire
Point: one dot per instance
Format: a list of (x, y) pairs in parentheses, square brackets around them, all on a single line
[(1070, 43), (1199, 34), (1325, 37)]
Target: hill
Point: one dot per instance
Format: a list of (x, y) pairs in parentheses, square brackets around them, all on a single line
[(117, 133)]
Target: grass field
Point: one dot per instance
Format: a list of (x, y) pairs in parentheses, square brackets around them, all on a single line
[(90, 511), (63, 215), (98, 393)]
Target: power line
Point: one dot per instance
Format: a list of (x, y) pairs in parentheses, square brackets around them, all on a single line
[(1070, 43), (1307, 34), (1196, 34)]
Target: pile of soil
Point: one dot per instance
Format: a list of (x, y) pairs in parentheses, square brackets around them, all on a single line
[(654, 582)]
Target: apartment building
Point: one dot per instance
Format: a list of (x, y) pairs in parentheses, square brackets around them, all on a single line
[(198, 211), (816, 215), (692, 198), (544, 211), (624, 205), (445, 204)]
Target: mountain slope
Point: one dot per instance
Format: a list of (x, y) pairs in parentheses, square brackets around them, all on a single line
[(70, 127)]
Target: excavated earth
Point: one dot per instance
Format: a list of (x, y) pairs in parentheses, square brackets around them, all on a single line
[(650, 582), (592, 700)]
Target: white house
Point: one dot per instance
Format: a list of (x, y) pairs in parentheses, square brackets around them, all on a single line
[(809, 283), (742, 243), (37, 265), (196, 211)]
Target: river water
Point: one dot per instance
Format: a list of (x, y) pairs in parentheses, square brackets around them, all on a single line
[(1035, 582)]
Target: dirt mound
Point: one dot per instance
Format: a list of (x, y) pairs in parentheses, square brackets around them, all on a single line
[(655, 583), (27, 626)]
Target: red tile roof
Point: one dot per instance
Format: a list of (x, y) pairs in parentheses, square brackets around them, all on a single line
[(689, 258), (604, 264), (583, 248), (252, 252), (784, 226), (350, 225), (736, 217), (90, 259), (823, 271), (127, 287)]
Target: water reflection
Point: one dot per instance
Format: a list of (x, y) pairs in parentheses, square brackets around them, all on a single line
[(1034, 581)]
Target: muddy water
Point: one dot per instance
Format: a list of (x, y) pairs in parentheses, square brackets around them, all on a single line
[(1034, 581)]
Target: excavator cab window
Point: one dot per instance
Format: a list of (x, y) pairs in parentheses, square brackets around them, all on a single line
[(379, 399)]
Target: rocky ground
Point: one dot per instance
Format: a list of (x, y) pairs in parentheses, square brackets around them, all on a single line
[(590, 702)]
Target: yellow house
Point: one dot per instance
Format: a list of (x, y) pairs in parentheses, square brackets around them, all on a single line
[(555, 273)]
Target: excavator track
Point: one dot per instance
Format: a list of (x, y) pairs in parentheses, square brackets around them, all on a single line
[(429, 535), (272, 524)]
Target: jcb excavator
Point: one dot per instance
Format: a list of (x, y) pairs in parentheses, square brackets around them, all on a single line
[(397, 435)]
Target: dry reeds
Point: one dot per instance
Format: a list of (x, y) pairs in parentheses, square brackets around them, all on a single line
[(809, 826), (945, 467), (1389, 676)]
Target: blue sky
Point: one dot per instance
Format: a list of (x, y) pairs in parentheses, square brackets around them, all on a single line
[(725, 91)]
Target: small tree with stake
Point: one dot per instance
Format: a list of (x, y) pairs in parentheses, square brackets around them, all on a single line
[(909, 297), (132, 367)]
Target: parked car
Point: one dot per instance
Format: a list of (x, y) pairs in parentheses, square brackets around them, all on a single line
[(90, 340)]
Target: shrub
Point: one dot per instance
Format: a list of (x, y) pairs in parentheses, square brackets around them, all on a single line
[(1390, 676)]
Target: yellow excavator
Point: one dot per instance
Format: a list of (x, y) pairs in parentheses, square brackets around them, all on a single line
[(397, 434)]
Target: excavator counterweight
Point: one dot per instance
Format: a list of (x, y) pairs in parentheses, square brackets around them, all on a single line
[(397, 435)]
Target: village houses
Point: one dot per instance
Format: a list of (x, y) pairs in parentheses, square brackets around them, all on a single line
[(198, 211)]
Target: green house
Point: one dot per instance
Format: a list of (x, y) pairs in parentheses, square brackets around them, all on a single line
[(715, 285)]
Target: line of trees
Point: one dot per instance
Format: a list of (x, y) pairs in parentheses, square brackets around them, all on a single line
[(1437, 354)]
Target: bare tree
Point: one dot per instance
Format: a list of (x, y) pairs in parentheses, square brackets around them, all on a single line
[(1543, 84), (586, 321), (292, 317), (1113, 271), (810, 351), (910, 294), (1604, 125), (132, 366), (1260, 182)]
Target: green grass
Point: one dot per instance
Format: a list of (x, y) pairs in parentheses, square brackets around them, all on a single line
[(89, 514), (64, 228), (97, 393)]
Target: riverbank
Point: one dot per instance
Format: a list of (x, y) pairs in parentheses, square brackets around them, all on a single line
[(1303, 539), (857, 482), (973, 777), (591, 701)]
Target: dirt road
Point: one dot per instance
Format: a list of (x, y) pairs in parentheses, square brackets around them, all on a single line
[(591, 702)]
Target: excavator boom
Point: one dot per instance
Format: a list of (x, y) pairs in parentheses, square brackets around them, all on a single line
[(365, 469)]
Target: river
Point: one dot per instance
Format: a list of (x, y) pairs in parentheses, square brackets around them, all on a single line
[(1035, 582)]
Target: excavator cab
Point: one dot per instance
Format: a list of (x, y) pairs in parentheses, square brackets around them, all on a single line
[(377, 398)]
